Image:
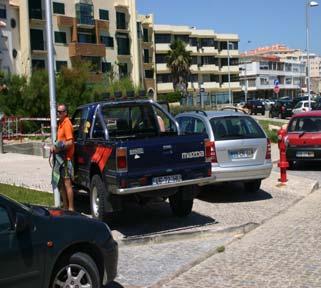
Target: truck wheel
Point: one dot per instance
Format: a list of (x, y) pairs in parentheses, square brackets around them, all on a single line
[(180, 207), (98, 193), (252, 186)]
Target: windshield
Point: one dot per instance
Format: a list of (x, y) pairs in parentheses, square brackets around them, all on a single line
[(17, 203), (305, 124), (298, 105), (235, 127)]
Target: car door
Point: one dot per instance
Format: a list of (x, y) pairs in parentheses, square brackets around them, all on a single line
[(21, 256)]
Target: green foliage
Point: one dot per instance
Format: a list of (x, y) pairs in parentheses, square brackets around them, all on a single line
[(170, 97), (273, 135), (180, 109), (26, 195), (179, 61)]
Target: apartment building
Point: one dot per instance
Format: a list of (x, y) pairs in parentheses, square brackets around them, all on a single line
[(258, 74), (101, 32), (214, 60)]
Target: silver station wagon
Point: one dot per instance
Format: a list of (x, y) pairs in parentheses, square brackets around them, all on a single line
[(240, 149)]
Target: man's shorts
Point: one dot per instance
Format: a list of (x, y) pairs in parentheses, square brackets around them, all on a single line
[(67, 170)]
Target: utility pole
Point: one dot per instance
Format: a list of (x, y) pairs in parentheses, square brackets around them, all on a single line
[(52, 86)]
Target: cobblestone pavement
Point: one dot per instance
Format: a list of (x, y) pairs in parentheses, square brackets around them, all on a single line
[(283, 252)]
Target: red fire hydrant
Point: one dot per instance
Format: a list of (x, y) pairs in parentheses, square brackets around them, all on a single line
[(283, 163)]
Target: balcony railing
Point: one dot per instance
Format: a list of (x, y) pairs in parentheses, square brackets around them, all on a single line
[(87, 49)]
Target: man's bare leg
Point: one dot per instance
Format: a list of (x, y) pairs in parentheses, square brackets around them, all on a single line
[(70, 194), (63, 193)]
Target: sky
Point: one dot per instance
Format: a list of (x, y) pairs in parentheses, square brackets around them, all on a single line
[(257, 22)]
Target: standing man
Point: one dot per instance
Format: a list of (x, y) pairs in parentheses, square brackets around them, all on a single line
[(64, 148)]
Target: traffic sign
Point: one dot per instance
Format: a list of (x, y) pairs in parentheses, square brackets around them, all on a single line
[(276, 89), (276, 82)]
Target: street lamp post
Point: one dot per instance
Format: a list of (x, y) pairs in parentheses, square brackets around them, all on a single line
[(308, 5), (229, 74)]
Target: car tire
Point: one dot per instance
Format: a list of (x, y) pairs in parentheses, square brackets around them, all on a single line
[(252, 186), (98, 192), (79, 264), (180, 207)]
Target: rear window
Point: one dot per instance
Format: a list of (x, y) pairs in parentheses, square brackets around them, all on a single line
[(305, 124), (234, 127), (129, 121)]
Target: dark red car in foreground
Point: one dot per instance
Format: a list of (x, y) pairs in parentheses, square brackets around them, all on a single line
[(303, 137)]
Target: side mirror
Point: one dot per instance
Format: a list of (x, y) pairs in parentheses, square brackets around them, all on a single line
[(22, 223)]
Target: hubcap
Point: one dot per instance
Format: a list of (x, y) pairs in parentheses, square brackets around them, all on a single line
[(95, 202), (73, 276)]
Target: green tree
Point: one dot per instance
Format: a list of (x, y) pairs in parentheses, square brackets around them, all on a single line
[(179, 61)]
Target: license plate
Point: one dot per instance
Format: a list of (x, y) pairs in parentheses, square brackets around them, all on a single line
[(305, 154), (259, 106), (167, 179), (241, 154)]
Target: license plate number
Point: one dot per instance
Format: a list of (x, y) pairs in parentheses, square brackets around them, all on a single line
[(167, 179), (242, 154), (305, 154)]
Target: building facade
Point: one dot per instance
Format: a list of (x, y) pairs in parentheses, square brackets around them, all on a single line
[(103, 33)]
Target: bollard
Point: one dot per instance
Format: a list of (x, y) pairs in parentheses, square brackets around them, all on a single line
[(283, 163)]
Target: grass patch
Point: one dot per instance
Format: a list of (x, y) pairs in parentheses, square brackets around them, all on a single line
[(273, 135), (27, 195)]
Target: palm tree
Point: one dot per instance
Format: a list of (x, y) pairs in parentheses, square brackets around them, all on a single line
[(179, 61)]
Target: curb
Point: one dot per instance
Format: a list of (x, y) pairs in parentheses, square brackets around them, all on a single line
[(185, 235)]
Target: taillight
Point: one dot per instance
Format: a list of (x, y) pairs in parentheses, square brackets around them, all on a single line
[(268, 150), (210, 152), (121, 159)]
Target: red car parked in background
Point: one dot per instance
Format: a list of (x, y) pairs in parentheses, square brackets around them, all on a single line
[(303, 137)]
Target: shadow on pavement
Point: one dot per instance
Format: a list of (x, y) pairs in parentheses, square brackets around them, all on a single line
[(230, 193), (307, 166), (153, 218), (113, 285)]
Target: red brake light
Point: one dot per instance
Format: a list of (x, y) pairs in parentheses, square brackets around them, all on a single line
[(210, 152), (268, 150), (121, 159)]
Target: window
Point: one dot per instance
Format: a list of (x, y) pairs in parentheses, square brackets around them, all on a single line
[(165, 124), (80, 124), (233, 127), (35, 9), (146, 56), (207, 42), (36, 39), (264, 65), (193, 42), (149, 74), (107, 40), (60, 37), (5, 223), (60, 65), (194, 78), (123, 44), (208, 60), (85, 13), (103, 14), (161, 58), (38, 64), (194, 60), (123, 70), (3, 11), (164, 78), (307, 124), (184, 38), (163, 38), (121, 20), (84, 37), (58, 8), (264, 81), (288, 80), (145, 35), (234, 61), (105, 67)]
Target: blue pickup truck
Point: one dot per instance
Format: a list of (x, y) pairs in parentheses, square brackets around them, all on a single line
[(131, 148)]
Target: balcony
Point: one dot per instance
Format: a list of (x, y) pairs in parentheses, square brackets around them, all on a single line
[(162, 47), (208, 51), (211, 86), (65, 21), (165, 87), (102, 25), (149, 83), (37, 17), (209, 68), (162, 68), (233, 69), (39, 48), (193, 49), (194, 68), (225, 53), (87, 49), (233, 85)]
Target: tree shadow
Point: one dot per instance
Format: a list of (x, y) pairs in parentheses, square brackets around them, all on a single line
[(230, 193)]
